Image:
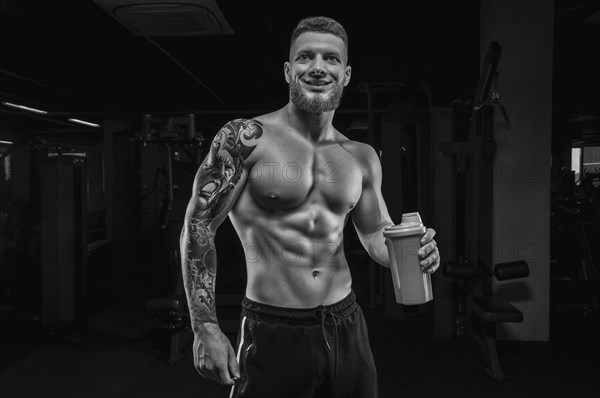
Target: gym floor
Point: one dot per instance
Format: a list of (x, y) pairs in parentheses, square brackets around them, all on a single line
[(121, 353)]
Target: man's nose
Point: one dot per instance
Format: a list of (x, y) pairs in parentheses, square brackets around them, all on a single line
[(317, 68)]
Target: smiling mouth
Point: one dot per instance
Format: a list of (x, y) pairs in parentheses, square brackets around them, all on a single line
[(317, 85)]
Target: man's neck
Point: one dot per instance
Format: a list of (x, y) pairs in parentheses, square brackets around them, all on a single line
[(315, 127)]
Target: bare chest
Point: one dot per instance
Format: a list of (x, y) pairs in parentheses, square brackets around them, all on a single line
[(289, 175)]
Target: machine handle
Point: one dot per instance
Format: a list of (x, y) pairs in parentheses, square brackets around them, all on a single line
[(511, 270)]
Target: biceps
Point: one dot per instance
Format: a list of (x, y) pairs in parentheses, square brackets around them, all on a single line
[(216, 188), (222, 175), (370, 213)]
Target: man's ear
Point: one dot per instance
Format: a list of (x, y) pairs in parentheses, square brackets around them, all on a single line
[(286, 71), (347, 75)]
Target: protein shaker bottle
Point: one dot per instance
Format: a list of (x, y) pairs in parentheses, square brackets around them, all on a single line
[(411, 285)]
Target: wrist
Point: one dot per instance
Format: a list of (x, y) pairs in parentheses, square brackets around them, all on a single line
[(206, 328)]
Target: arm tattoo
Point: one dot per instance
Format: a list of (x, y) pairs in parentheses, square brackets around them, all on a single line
[(217, 176)]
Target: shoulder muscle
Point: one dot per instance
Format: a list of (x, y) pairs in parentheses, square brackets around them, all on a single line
[(368, 159), (217, 180)]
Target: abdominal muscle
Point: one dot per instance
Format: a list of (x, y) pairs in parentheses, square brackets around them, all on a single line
[(290, 265)]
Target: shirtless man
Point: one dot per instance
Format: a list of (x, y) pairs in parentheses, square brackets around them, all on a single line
[(289, 181)]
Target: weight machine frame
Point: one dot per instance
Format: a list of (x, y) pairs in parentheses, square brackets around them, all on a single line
[(477, 309)]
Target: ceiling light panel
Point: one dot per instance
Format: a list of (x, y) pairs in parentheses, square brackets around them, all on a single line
[(168, 19)]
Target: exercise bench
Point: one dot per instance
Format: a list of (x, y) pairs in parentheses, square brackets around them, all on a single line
[(486, 310)]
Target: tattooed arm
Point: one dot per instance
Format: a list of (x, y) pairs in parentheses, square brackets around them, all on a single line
[(217, 185)]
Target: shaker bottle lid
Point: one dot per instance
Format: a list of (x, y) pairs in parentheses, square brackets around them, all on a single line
[(411, 225)]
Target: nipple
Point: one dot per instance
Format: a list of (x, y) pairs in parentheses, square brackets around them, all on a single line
[(272, 195), (315, 274)]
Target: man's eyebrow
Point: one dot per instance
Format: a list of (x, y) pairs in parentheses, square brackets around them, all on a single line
[(310, 50), (333, 52)]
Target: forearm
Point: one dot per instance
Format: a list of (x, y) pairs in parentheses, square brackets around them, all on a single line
[(218, 182), (375, 245), (199, 269)]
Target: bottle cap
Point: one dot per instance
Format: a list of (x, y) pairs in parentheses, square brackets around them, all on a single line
[(411, 225)]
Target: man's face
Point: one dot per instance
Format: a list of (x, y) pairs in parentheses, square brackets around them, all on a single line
[(317, 72)]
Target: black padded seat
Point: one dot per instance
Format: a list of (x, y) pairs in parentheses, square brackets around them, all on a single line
[(493, 309)]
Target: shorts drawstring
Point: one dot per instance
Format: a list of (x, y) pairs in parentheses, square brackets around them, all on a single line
[(312, 316), (324, 312)]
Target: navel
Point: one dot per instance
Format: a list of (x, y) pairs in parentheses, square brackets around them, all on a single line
[(315, 274), (272, 195)]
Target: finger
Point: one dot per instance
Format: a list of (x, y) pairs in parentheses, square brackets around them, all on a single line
[(234, 369), (431, 263), (208, 374), (224, 376), (425, 263), (425, 250), (427, 236), (200, 364), (430, 259)]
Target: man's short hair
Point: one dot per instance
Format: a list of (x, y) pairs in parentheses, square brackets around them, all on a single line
[(320, 25)]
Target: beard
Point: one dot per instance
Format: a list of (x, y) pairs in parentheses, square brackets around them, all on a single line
[(319, 102)]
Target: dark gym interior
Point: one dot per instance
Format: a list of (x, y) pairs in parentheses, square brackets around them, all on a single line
[(486, 117)]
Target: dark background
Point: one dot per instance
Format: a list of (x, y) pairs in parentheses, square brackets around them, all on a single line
[(73, 59)]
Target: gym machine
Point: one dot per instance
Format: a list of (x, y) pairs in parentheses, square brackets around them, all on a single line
[(575, 274), (63, 241), (478, 313), (174, 134), (477, 309)]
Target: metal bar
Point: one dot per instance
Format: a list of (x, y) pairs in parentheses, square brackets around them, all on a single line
[(12, 147), (76, 127), (482, 92), (58, 90)]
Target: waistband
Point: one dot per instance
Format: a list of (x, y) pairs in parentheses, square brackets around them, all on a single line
[(299, 316)]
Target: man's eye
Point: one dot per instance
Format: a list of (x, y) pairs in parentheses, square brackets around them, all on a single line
[(333, 59), (303, 57)]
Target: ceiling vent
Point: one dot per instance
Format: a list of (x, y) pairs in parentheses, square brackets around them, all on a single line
[(168, 19)]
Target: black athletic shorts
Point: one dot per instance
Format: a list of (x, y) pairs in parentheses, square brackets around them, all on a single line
[(302, 353)]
